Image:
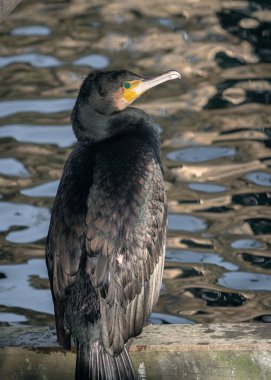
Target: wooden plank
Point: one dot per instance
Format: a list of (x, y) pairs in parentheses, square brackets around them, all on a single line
[(191, 352)]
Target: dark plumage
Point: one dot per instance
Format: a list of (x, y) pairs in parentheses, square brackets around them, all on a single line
[(105, 246)]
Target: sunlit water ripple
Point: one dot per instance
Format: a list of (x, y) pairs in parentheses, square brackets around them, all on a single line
[(215, 131)]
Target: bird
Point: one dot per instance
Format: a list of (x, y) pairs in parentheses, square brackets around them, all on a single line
[(105, 247)]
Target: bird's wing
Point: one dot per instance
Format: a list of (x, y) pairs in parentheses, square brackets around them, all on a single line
[(66, 232), (126, 226)]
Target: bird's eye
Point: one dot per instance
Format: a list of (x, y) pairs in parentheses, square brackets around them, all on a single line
[(126, 85)]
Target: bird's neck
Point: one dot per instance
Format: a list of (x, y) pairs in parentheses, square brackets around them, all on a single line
[(93, 126), (88, 124)]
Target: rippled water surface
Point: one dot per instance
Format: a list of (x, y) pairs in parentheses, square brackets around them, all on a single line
[(216, 140)]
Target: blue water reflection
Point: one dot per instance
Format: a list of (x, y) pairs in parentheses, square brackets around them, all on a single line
[(16, 290), (11, 107), (200, 258), (11, 317), (48, 189), (160, 318), (34, 220), (31, 30), (96, 61), (61, 135), (12, 167), (200, 153), (215, 132), (260, 178), (247, 244), (206, 187), (35, 60), (246, 281), (183, 222)]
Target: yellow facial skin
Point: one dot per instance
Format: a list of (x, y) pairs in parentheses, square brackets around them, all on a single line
[(129, 94), (125, 96)]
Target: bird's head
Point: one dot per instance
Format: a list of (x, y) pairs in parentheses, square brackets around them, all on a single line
[(109, 93)]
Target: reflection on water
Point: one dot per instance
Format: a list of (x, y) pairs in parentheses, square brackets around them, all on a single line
[(12, 107), (247, 244), (185, 223), (199, 257), (12, 318), (246, 281), (206, 187), (36, 60), (260, 178), (45, 190), (96, 61), (215, 131), (159, 318), (17, 280), (33, 220), (62, 136), (12, 167), (34, 30), (200, 153)]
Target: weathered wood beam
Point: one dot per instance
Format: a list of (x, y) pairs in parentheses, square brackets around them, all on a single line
[(190, 352)]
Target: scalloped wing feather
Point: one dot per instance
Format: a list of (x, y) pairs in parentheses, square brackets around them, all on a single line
[(126, 256)]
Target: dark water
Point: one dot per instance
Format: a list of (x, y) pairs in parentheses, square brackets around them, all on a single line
[(216, 138)]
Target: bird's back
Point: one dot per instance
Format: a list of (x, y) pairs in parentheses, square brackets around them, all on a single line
[(105, 248)]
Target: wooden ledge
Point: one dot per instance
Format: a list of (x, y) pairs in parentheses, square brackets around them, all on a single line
[(190, 352)]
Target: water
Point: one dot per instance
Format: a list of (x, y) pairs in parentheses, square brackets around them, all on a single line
[(12, 167), (31, 30), (33, 220), (36, 60), (9, 108), (95, 61), (188, 223), (62, 136), (48, 189), (215, 128), (200, 154)]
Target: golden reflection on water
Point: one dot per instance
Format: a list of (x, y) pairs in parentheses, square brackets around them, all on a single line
[(215, 138)]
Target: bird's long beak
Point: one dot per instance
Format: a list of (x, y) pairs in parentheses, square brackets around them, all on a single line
[(138, 87), (148, 83)]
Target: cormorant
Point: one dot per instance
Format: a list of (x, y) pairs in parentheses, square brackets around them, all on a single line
[(106, 242)]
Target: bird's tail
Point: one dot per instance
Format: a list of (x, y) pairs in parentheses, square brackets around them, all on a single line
[(94, 363)]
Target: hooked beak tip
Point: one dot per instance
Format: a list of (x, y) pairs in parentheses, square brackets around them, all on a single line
[(174, 75)]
